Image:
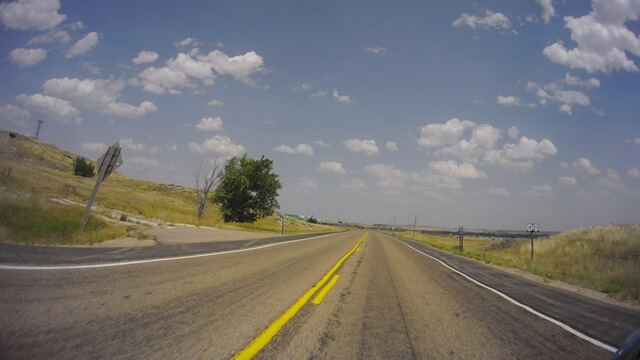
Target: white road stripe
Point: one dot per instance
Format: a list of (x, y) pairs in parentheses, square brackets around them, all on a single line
[(135, 262), (515, 302)]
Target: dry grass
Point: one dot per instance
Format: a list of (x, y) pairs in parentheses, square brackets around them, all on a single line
[(41, 171), (604, 258)]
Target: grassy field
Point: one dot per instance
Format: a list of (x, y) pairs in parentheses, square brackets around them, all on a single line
[(40, 171), (604, 258)]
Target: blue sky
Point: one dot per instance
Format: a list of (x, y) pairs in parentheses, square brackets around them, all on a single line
[(486, 114)]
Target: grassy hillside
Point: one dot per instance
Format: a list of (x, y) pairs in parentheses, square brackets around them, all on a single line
[(604, 258), (40, 172)]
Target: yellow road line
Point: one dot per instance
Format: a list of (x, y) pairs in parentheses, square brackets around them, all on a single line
[(263, 339), (318, 299)]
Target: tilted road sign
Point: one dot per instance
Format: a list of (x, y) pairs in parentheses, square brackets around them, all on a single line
[(107, 163)]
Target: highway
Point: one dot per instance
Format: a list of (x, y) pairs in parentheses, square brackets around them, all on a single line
[(388, 301)]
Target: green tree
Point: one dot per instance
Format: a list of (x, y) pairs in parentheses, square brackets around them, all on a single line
[(82, 167), (247, 190)]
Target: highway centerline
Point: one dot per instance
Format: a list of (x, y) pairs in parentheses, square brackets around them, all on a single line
[(265, 337), (318, 299)]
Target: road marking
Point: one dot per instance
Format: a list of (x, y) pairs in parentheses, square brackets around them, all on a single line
[(135, 262), (325, 290), (516, 302), (265, 337)]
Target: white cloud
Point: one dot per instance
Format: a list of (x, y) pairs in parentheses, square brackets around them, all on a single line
[(499, 191), (565, 108), (144, 162), (189, 66), (99, 95), (83, 45), (567, 98), (568, 181), (378, 50), (512, 101), (218, 144), (321, 143), (215, 103), (173, 147), (15, 115), (129, 144), (564, 165), (160, 80), (302, 87), (585, 166), (636, 141), (388, 176), (391, 146), (547, 10), (538, 191), (241, 67), (602, 38), (186, 42), (611, 180), (93, 69), (576, 81), (483, 138), (521, 157), (306, 183), (490, 20), (341, 98), (513, 132), (331, 167), (368, 147), (634, 173), (27, 57), (55, 35), (301, 149), (452, 169), (93, 147), (436, 135), (353, 184), (31, 14), (62, 110), (319, 93), (145, 57), (210, 124)]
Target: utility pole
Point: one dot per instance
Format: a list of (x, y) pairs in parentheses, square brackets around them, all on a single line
[(40, 122), (415, 221), (394, 225)]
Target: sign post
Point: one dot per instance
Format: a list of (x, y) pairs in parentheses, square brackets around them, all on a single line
[(107, 163), (531, 228), (461, 238)]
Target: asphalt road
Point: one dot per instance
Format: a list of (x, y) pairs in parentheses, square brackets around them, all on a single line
[(390, 302)]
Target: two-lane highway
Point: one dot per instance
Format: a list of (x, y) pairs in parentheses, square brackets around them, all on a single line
[(389, 301)]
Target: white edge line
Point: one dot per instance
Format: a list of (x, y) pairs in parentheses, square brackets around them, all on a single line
[(134, 262), (529, 309)]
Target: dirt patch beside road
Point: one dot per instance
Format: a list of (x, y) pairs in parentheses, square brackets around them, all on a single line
[(188, 235)]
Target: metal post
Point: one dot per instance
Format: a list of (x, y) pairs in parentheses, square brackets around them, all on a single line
[(531, 245), (414, 227), (394, 225), (282, 223)]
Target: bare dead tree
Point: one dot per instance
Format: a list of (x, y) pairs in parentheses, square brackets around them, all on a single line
[(207, 178)]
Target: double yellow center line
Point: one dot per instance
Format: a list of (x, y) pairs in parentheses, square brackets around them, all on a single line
[(263, 339)]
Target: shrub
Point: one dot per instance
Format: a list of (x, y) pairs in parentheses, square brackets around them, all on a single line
[(82, 167)]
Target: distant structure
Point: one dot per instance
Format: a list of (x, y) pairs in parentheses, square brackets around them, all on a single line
[(38, 129)]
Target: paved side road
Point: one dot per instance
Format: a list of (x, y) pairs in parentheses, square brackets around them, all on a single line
[(13, 254), (606, 322)]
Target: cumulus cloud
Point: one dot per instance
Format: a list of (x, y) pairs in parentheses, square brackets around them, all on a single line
[(145, 57), (160, 80), (341, 98), (512, 101), (83, 45), (584, 165), (93, 147), (452, 169), (483, 139), (378, 50), (568, 181), (15, 115), (129, 144), (513, 132), (392, 180), (302, 87), (92, 68), (391, 146), (186, 42), (189, 66), (436, 135), (62, 110), (521, 157), (368, 147), (301, 149), (331, 167), (353, 184), (218, 144), (215, 103), (634, 173), (555, 92), (388, 177), (210, 124), (611, 180), (54, 35), (99, 95), (498, 191), (145, 162), (489, 20), (31, 14), (240, 67), (27, 57), (321, 143), (317, 94), (547, 10), (577, 81), (602, 38)]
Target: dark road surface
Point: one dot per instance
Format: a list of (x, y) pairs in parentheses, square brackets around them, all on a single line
[(390, 301)]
